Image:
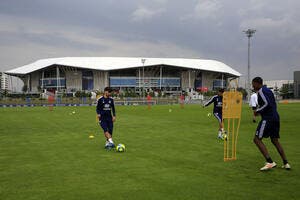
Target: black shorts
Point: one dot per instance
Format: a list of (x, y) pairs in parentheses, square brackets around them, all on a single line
[(107, 125), (218, 116), (268, 128), (254, 107)]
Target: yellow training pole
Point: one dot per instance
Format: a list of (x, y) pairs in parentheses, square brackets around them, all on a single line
[(232, 108), (232, 140)]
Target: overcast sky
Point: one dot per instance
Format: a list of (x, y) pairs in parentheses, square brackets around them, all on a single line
[(205, 29)]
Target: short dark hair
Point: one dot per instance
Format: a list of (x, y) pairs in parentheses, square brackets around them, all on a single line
[(258, 80), (108, 89), (221, 90)]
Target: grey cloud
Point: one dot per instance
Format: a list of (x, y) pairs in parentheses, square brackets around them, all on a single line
[(195, 28)]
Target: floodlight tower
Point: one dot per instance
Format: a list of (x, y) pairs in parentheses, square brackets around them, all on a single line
[(143, 60), (249, 33)]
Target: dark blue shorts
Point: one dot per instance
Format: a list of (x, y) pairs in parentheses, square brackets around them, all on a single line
[(268, 128), (218, 116), (107, 125), (254, 107)]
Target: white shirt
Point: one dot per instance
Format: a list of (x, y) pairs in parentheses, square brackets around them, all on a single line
[(253, 100)]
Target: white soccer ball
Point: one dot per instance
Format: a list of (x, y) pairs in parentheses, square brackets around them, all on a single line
[(120, 148)]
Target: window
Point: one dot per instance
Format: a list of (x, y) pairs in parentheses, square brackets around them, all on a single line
[(49, 79), (87, 80), (51, 73), (217, 84), (122, 81)]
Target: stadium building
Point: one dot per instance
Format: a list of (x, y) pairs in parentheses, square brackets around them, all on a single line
[(3, 81), (171, 75)]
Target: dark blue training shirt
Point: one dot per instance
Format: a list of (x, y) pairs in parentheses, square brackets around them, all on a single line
[(217, 100), (267, 104), (106, 107)]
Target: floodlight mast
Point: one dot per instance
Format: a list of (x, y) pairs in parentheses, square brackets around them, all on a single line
[(249, 33), (143, 60)]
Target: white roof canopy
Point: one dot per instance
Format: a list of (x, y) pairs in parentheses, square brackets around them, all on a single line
[(115, 63)]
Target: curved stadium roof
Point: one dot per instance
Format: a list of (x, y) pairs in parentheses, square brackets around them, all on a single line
[(115, 63)]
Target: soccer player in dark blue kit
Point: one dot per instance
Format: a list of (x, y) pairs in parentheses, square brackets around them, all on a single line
[(107, 115), (269, 125), (218, 101)]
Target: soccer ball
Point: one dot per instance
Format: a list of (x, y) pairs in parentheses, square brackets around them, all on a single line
[(120, 148), (224, 135)]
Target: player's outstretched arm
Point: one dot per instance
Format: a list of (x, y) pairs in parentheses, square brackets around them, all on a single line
[(210, 101)]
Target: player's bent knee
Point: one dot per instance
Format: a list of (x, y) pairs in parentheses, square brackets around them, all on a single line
[(256, 140), (274, 141)]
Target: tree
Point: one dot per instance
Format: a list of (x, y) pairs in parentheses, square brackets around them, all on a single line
[(243, 91), (287, 91)]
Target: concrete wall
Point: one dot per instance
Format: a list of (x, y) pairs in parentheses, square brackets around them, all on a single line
[(34, 81), (277, 83), (73, 80), (208, 78), (100, 80), (188, 79)]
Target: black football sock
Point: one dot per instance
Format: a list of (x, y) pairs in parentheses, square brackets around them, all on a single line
[(269, 160)]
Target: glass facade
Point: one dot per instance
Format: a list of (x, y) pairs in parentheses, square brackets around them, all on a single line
[(198, 80), (53, 83), (122, 81), (48, 78), (87, 80), (52, 73), (148, 82), (169, 82), (217, 84), (165, 78)]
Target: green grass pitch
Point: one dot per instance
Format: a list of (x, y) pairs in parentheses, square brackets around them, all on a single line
[(169, 155)]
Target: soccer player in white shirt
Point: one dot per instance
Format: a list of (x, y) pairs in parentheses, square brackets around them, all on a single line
[(253, 104)]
